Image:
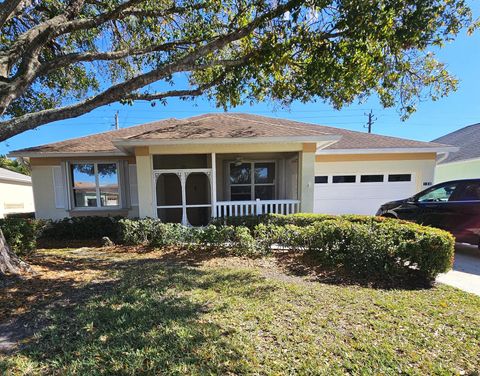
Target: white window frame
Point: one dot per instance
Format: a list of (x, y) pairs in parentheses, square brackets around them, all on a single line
[(99, 207), (252, 184)]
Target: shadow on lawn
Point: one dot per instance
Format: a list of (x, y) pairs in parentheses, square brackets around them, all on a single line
[(146, 321)]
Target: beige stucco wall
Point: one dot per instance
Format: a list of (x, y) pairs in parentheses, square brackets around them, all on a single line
[(44, 192), (15, 197), (458, 170), (309, 165), (145, 185)]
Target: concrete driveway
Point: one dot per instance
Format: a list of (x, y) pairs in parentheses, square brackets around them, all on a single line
[(465, 274)]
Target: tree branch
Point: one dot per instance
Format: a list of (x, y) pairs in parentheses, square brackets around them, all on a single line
[(68, 59), (9, 8), (55, 27)]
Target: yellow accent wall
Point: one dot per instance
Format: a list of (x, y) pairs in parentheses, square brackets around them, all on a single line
[(225, 148), (375, 157)]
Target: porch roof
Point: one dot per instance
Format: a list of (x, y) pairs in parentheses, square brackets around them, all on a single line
[(227, 128)]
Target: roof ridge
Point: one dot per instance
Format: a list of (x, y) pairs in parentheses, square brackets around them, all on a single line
[(276, 125)]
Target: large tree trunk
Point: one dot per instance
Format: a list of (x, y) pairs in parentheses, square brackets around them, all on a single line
[(10, 263)]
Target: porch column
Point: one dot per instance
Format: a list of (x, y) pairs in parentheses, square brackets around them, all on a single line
[(213, 185), (145, 182), (307, 177)]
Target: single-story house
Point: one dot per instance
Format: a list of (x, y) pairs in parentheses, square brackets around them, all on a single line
[(230, 164), (465, 163), (16, 195)]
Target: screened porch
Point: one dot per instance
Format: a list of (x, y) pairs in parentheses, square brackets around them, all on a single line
[(194, 188)]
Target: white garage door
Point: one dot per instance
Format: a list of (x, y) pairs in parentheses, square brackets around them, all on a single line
[(360, 193)]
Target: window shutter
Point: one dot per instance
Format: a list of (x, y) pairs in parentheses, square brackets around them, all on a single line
[(132, 179), (59, 187)]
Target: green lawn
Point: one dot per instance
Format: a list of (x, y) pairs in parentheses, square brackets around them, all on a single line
[(170, 314)]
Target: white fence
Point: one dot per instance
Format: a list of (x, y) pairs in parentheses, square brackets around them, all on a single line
[(257, 207)]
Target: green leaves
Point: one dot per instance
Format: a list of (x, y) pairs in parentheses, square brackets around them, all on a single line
[(334, 51)]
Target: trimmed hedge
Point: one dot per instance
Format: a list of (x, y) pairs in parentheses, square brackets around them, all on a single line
[(21, 234), (382, 248), (154, 233), (81, 228), (299, 219), (363, 245), (366, 246)]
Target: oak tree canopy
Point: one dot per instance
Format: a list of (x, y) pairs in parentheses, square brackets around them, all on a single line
[(63, 58)]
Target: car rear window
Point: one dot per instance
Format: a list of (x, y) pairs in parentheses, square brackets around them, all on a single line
[(468, 192)]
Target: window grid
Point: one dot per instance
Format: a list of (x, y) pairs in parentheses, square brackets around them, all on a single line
[(252, 183)]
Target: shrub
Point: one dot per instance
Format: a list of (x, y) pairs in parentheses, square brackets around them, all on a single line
[(249, 221), (387, 249), (368, 246), (82, 228), (150, 232), (363, 245), (21, 234)]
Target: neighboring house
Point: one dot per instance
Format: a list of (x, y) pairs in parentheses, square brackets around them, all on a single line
[(465, 163), (215, 165), (16, 194)]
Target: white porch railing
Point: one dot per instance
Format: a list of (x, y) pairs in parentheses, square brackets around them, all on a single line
[(257, 207)]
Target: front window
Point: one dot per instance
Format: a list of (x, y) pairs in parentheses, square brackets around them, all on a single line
[(252, 180), (95, 184), (439, 194)]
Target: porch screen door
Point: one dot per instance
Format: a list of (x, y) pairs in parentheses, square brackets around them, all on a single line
[(183, 194)]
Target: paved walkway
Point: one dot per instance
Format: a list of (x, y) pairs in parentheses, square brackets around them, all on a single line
[(466, 270)]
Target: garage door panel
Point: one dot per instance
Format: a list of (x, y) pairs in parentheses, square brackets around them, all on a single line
[(359, 198)]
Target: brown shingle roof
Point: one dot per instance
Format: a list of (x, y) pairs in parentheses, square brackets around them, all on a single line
[(225, 125)]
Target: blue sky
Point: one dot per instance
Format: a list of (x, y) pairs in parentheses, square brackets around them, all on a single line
[(432, 119)]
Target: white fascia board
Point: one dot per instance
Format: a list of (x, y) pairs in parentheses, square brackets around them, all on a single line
[(66, 155), (445, 149), (225, 141)]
